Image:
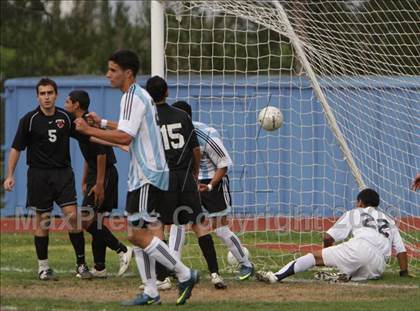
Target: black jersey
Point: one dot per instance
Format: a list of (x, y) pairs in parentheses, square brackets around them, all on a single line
[(178, 136), (91, 150), (46, 137)]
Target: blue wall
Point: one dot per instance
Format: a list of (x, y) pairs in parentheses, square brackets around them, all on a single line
[(296, 170)]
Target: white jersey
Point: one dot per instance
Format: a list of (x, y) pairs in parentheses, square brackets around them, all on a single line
[(147, 157), (370, 225), (213, 153)]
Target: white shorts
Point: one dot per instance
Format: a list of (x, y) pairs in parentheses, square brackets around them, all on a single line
[(356, 258)]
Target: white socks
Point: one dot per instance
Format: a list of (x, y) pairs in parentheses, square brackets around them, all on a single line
[(177, 240), (304, 263), (43, 265), (301, 264), (147, 270), (158, 250), (234, 245)]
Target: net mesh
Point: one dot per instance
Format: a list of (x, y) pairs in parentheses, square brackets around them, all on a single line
[(229, 59)]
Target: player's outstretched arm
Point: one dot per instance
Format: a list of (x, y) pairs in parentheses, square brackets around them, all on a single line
[(403, 262), (97, 121), (9, 182), (111, 136), (328, 240)]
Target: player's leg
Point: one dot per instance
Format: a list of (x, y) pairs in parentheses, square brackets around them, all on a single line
[(90, 224), (65, 196), (189, 210), (146, 268), (301, 264), (177, 239), (140, 203), (231, 240), (217, 203), (40, 200), (41, 240)]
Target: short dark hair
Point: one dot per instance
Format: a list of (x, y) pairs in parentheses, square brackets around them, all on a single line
[(368, 197), (44, 82), (157, 88), (127, 60), (183, 105), (80, 96)]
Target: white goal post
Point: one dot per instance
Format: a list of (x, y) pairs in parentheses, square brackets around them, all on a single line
[(346, 75)]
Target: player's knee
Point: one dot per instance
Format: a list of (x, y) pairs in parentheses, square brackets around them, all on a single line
[(222, 232)]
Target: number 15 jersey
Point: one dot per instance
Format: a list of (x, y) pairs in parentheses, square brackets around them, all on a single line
[(370, 225)]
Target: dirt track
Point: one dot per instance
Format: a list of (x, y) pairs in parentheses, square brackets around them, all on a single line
[(249, 291)]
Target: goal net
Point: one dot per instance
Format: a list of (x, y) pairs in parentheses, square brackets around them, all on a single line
[(345, 75)]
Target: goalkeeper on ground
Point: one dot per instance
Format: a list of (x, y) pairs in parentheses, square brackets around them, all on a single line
[(364, 256)]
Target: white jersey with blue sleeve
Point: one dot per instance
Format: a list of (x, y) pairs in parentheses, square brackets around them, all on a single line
[(371, 225), (213, 153), (138, 118)]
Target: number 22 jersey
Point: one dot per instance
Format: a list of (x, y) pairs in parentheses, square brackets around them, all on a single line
[(370, 225)]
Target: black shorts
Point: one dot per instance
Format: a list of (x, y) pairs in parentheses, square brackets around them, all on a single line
[(219, 199), (142, 205), (46, 186), (181, 203), (110, 190)]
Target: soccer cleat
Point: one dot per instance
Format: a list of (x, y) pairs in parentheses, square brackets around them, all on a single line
[(142, 300), (47, 275), (166, 284), (99, 274), (245, 272), (82, 272), (331, 277), (266, 276), (218, 281), (185, 288), (125, 259)]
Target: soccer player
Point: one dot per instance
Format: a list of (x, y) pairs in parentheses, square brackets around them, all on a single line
[(364, 256), (214, 190), (45, 133), (100, 189), (181, 203), (148, 173)]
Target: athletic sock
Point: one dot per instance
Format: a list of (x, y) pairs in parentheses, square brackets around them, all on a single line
[(209, 252), (98, 246), (161, 271), (43, 265), (41, 247), (233, 244), (111, 241), (177, 239), (161, 253), (78, 242), (299, 265), (146, 267)]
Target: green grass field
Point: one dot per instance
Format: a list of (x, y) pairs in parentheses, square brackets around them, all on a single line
[(20, 289)]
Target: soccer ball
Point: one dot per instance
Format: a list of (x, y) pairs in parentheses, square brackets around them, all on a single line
[(232, 260), (270, 118)]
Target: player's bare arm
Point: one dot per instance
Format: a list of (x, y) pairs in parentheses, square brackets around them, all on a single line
[(112, 136), (96, 121), (98, 189), (84, 177), (218, 175), (11, 166), (403, 262), (328, 240), (105, 143)]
